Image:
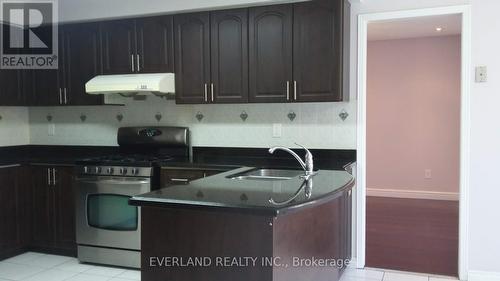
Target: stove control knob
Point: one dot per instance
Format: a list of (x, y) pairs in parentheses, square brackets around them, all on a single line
[(98, 170), (135, 171), (85, 170), (109, 170), (123, 171)]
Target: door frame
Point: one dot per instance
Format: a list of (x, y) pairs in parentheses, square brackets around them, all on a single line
[(363, 21)]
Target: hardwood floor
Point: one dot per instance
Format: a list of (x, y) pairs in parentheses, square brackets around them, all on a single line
[(412, 235)]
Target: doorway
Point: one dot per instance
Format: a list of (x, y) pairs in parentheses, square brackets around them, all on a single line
[(406, 187)]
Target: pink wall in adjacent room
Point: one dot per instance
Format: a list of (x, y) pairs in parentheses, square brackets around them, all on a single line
[(413, 114)]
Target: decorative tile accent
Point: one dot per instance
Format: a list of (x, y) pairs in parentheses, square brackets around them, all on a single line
[(119, 117), (244, 115), (158, 116), (343, 115), (199, 116), (83, 117)]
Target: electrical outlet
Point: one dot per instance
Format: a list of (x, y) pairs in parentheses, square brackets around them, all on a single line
[(52, 129), (277, 130), (428, 173)]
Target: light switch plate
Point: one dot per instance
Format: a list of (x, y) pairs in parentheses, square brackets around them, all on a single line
[(277, 130), (428, 173), (481, 74), (51, 129)]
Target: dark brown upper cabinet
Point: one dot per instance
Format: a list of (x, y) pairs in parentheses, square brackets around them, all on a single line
[(48, 84), (155, 44), (137, 45), (270, 53), (317, 51), (192, 57), (11, 93), (79, 61), (229, 59), (119, 46), (211, 57), (82, 62)]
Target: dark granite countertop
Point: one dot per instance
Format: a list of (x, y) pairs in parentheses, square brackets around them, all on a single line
[(219, 192), (215, 158)]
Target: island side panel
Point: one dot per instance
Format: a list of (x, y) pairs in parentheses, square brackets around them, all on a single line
[(317, 232), (197, 233)]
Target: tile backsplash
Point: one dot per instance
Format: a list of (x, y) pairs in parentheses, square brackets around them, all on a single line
[(317, 125), (14, 126)]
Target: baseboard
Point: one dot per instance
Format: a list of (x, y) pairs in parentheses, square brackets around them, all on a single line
[(483, 276), (353, 263), (412, 194)]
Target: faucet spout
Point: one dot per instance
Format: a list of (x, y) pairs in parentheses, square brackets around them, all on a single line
[(302, 163), (307, 165)]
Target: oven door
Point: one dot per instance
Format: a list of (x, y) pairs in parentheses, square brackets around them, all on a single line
[(103, 215)]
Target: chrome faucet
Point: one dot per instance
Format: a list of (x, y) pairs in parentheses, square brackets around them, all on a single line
[(307, 165)]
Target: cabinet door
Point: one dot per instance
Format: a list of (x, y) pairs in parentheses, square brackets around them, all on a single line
[(10, 213), (82, 62), (192, 57), (270, 47), (47, 83), (42, 207), (229, 60), (155, 44), (317, 51), (10, 92), (46, 89), (64, 210), (118, 46)]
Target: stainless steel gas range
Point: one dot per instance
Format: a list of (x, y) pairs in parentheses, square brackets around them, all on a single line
[(108, 229)]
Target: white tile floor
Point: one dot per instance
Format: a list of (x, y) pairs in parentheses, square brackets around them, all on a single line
[(352, 274), (41, 267)]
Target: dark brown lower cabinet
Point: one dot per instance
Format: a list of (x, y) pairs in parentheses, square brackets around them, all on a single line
[(173, 176), (53, 224), (319, 231), (13, 212)]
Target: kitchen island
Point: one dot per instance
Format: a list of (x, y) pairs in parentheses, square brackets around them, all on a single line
[(231, 227)]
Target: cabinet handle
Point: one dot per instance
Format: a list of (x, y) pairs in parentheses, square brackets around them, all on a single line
[(53, 177), (138, 63), (48, 176), (179, 180), (287, 90), (133, 65), (60, 96), (295, 90), (206, 92), (212, 91), (65, 95)]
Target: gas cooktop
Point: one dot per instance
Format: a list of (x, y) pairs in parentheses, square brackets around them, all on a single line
[(125, 159)]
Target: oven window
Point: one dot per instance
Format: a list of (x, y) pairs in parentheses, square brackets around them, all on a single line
[(112, 212)]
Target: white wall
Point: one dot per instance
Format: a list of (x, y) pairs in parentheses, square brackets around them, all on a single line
[(78, 10), (14, 126), (485, 150), (317, 125)]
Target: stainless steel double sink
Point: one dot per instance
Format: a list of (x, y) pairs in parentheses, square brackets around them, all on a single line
[(266, 174)]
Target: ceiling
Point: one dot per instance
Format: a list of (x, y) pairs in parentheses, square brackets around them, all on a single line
[(415, 27)]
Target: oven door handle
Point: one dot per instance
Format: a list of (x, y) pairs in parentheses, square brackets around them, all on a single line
[(113, 181)]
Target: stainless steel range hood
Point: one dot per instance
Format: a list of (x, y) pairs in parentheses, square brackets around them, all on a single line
[(159, 84)]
